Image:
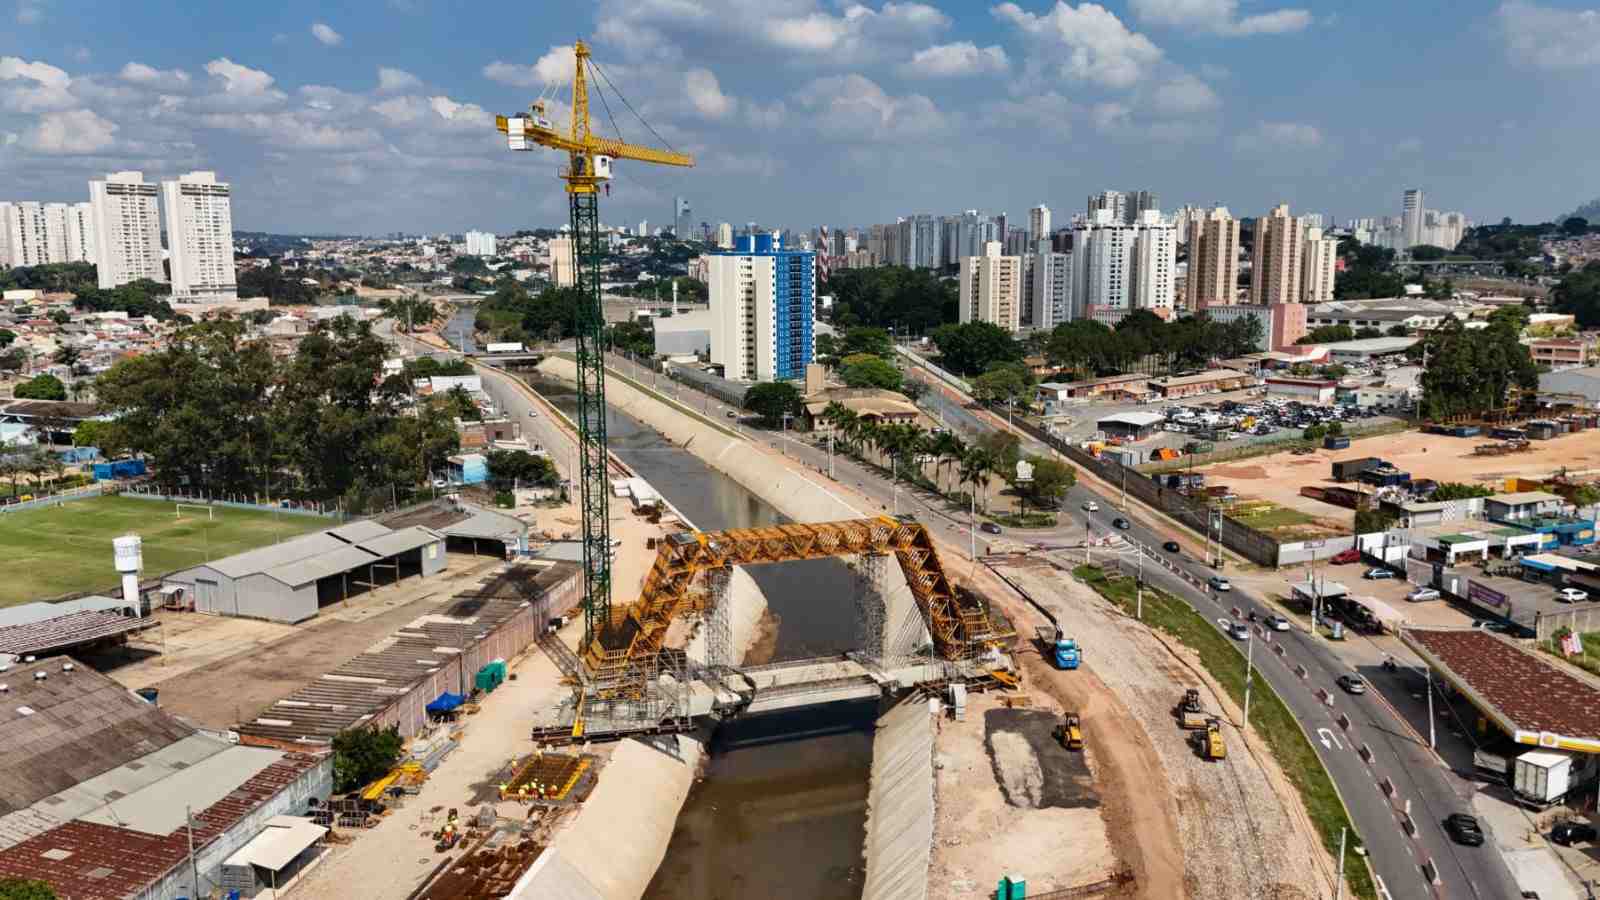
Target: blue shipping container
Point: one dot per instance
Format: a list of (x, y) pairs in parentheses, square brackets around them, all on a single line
[(122, 468)]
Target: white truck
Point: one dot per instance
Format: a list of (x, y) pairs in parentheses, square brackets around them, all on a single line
[(1541, 777), (504, 348)]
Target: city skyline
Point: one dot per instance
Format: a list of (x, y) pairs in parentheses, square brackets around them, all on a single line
[(800, 111)]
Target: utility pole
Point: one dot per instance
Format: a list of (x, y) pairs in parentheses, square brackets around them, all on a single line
[(194, 868), (1249, 670), (1139, 585), (1338, 890), (1124, 504), (972, 530), (1431, 735), (830, 453)]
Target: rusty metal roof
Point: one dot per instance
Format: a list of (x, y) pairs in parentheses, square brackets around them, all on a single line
[(67, 631), (1526, 693), (69, 727)]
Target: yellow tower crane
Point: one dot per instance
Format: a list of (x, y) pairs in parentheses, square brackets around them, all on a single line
[(589, 167)]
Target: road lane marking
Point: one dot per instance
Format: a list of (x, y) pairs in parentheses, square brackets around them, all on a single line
[(1329, 739)]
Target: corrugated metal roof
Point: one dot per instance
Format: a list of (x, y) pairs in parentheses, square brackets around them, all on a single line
[(356, 532), (68, 631), (27, 613), (1521, 497), (159, 808), (284, 838), (322, 565), (81, 724), (487, 525), (261, 559), (397, 542)]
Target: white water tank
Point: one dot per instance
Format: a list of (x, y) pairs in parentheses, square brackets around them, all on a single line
[(130, 556)]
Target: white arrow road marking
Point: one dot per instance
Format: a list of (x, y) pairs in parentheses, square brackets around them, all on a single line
[(1329, 739), (1383, 890)]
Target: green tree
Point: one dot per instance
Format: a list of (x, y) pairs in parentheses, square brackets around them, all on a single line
[(41, 387), (26, 889), (864, 370), (60, 316), (1333, 370), (1456, 490), (1471, 372), (363, 755), (1328, 334), (1428, 253), (772, 400), (461, 405), (1367, 331), (102, 434), (512, 468), (1398, 331), (409, 312), (1578, 293), (1051, 481), (1575, 226), (1315, 432), (13, 360), (914, 300), (633, 337), (7, 336), (970, 348), (1003, 383)]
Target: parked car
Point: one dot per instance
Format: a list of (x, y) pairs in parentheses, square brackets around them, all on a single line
[(1463, 829), (989, 527), (1572, 832), (1421, 594), (1352, 684), (732, 414), (1377, 573), (1277, 623), (1346, 557), (1218, 583), (1090, 506), (1171, 547), (1120, 522), (1571, 595)]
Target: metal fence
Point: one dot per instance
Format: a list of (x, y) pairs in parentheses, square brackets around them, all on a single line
[(235, 501), (1265, 448), (67, 496)]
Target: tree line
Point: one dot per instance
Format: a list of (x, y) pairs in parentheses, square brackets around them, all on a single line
[(219, 412)]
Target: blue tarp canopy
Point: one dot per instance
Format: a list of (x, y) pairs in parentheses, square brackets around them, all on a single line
[(446, 702), (1536, 565)]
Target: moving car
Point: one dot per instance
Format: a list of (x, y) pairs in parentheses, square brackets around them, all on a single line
[(1377, 574), (1572, 832), (1352, 684), (1120, 522), (1090, 506), (1421, 594), (1218, 583), (1346, 557), (1571, 595), (732, 414), (989, 527), (1277, 623), (1238, 631), (1463, 829), (1171, 547)]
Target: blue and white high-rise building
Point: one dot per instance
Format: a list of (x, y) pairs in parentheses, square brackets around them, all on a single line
[(763, 309)]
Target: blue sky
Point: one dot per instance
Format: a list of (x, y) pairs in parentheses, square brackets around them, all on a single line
[(377, 116)]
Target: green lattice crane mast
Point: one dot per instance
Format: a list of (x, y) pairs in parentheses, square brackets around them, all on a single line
[(588, 170)]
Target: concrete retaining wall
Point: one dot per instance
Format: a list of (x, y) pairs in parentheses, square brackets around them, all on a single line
[(899, 843), (797, 496), (620, 836)]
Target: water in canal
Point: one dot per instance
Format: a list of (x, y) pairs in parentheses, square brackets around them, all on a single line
[(774, 817), (460, 328)]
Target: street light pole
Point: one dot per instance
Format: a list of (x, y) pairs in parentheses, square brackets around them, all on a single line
[(1139, 585), (1430, 709), (972, 529), (1338, 890), (830, 453), (1249, 666)]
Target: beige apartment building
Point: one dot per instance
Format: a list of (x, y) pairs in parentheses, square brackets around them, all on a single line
[(1213, 261), (1277, 266), (562, 273), (991, 288), (1321, 258)]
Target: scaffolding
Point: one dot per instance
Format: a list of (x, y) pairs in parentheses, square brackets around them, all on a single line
[(719, 617), (872, 571)]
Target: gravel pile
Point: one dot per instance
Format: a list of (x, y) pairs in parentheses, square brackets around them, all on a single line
[(1240, 838)]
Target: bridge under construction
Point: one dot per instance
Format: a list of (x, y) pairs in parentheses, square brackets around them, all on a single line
[(626, 681)]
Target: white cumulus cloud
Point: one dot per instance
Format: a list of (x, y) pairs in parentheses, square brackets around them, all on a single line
[(705, 94), (396, 80), (960, 58), (1545, 37), (855, 107), (1218, 17), (326, 35), (1269, 136), (1086, 42), (241, 81), (70, 132), (139, 73), (1186, 94)]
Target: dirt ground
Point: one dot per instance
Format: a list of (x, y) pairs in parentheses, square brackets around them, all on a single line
[(1011, 799), (1242, 830), (1280, 476)]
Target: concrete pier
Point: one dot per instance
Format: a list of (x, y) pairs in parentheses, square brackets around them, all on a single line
[(899, 844)]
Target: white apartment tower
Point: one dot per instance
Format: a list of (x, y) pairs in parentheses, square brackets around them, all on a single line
[(127, 229), (80, 233), (1154, 258), (1277, 266), (725, 236), (25, 240), (991, 288), (481, 243), (763, 309), (1051, 278), (1320, 261), (1038, 225), (1213, 260), (1411, 218), (199, 211), (1100, 279)]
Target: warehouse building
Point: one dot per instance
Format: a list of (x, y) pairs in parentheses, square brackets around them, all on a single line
[(1133, 426), (96, 786), (442, 652), (290, 581)]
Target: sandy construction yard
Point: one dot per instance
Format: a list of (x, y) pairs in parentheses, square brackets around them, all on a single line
[(1280, 476), (1243, 830)]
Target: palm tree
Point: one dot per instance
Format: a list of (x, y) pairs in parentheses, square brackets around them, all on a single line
[(975, 468), (950, 449), (10, 469)]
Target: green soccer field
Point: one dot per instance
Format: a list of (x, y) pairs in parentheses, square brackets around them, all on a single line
[(65, 549)]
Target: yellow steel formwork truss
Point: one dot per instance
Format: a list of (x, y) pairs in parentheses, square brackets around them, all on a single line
[(959, 624)]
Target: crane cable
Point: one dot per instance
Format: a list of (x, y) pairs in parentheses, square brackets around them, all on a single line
[(602, 72)]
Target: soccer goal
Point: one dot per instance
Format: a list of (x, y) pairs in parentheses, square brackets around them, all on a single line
[(195, 509)]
